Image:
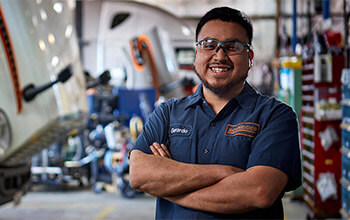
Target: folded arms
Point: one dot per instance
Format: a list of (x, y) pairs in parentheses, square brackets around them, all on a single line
[(214, 188)]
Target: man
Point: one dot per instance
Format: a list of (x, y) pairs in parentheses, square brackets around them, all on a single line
[(225, 152)]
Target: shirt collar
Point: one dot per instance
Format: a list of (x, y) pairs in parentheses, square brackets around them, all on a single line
[(197, 97), (246, 99)]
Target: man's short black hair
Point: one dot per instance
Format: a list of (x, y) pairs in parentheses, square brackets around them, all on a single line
[(229, 15)]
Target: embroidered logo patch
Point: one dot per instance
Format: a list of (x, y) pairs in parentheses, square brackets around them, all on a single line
[(248, 129), (180, 130)]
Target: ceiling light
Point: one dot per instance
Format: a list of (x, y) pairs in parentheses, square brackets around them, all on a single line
[(51, 38), (55, 60), (186, 31), (68, 32), (43, 15), (58, 7), (42, 45), (35, 21)]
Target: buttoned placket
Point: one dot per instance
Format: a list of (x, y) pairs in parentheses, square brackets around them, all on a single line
[(204, 148), (206, 145)]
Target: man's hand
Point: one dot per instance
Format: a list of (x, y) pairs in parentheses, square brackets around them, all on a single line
[(160, 150)]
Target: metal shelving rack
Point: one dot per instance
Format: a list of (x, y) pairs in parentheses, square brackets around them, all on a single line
[(319, 160), (345, 125)]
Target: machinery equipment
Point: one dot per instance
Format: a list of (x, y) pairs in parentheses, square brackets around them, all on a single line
[(42, 86)]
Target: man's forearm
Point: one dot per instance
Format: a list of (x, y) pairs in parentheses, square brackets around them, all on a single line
[(215, 198), (160, 176), (255, 188)]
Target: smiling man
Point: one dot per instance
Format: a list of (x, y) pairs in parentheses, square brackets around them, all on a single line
[(226, 152)]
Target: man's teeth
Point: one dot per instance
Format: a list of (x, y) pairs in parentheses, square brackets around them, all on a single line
[(219, 70)]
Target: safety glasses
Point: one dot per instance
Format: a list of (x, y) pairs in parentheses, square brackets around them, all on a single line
[(230, 47)]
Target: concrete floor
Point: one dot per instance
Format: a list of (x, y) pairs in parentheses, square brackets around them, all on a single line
[(294, 209), (75, 203), (47, 203)]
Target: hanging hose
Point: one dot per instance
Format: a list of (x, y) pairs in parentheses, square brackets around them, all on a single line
[(141, 50)]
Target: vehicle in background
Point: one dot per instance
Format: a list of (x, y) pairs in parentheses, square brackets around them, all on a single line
[(42, 86), (139, 44)]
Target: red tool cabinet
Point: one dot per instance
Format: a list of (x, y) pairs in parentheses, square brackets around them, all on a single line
[(320, 134)]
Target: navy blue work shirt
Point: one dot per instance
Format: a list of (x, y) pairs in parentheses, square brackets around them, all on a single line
[(250, 130)]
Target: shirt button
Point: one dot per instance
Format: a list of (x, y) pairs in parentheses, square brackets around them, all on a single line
[(212, 124), (205, 151)]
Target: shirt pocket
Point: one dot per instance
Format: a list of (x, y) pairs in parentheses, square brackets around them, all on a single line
[(235, 150), (180, 141), (180, 148)]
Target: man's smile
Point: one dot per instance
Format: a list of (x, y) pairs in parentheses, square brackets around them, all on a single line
[(219, 70)]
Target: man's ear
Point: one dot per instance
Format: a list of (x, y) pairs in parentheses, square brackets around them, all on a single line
[(195, 55), (251, 55)]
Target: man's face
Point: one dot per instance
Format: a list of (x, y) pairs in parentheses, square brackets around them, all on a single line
[(219, 72)]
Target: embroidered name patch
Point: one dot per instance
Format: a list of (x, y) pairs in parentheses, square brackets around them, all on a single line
[(180, 130), (248, 129)]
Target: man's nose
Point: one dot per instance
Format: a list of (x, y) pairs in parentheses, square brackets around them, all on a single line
[(220, 53), (218, 48)]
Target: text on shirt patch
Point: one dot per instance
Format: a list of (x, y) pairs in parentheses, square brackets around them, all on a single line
[(248, 129), (180, 130)]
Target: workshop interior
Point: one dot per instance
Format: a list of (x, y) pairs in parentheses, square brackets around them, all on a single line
[(79, 79)]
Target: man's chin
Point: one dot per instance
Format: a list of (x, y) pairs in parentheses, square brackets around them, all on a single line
[(219, 90), (224, 89)]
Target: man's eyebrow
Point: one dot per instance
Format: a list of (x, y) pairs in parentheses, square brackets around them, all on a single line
[(209, 38), (232, 39)]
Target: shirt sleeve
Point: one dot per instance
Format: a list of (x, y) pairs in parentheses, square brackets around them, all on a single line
[(277, 145), (155, 130)]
